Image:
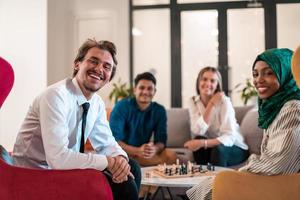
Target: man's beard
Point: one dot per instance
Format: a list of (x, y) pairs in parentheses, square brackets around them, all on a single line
[(88, 88)]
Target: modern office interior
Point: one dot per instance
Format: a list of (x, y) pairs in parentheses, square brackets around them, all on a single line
[(173, 39)]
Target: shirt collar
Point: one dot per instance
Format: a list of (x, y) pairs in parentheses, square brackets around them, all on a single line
[(79, 95), (134, 102)]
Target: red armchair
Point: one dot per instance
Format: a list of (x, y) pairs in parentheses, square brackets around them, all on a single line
[(18, 183), (6, 79)]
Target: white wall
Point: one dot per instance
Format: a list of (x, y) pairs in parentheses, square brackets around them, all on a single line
[(59, 13), (23, 44)]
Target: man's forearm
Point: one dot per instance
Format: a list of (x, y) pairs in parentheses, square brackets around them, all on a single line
[(159, 147)]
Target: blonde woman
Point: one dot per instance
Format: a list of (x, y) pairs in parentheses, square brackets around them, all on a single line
[(217, 139)]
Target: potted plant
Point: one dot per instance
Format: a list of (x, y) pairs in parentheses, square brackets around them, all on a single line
[(247, 92), (120, 91)]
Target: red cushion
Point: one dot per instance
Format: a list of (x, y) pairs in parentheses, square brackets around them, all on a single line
[(35, 184)]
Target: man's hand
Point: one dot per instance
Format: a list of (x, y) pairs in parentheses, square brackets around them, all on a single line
[(147, 150), (217, 98), (194, 145), (119, 168)]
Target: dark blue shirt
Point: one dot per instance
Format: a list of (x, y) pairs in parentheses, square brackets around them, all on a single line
[(135, 127)]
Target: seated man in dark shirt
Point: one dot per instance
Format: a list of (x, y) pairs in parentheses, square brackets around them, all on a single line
[(133, 121)]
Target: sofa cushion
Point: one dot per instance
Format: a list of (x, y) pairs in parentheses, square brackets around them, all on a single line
[(240, 112), (252, 133), (178, 127)]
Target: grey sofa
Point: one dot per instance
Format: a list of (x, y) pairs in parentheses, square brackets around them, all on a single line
[(179, 130)]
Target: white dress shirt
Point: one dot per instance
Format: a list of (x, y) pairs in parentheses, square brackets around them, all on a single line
[(50, 134), (223, 125)]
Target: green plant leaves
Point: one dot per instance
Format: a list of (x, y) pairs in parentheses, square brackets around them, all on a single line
[(120, 90), (247, 91)]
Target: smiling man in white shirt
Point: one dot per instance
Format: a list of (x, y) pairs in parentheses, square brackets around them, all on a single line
[(52, 132)]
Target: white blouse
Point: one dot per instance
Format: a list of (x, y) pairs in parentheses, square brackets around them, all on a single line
[(223, 125)]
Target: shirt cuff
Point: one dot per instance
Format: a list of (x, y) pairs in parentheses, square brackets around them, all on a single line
[(101, 162), (126, 158)]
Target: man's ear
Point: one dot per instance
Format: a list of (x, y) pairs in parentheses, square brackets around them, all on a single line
[(76, 66)]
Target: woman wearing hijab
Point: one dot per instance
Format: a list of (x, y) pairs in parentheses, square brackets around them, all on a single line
[(279, 116)]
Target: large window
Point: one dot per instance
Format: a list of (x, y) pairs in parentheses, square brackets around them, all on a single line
[(149, 2), (288, 25), (203, 1), (199, 48), (151, 32), (246, 39), (176, 38)]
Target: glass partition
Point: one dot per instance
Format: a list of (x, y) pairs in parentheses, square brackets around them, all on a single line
[(151, 46), (203, 1), (246, 39), (199, 33), (288, 25), (149, 2)]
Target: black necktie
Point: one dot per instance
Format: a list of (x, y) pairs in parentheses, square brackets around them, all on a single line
[(85, 107)]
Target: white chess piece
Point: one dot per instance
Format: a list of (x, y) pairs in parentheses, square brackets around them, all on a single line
[(189, 166)]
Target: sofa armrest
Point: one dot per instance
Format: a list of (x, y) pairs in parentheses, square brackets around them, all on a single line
[(178, 128), (252, 133), (236, 185), (35, 184)]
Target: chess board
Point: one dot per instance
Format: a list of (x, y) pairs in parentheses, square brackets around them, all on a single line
[(181, 171)]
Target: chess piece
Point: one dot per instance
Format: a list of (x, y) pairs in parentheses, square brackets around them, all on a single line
[(199, 168), (177, 161), (189, 166), (208, 166), (149, 174), (177, 170), (170, 172)]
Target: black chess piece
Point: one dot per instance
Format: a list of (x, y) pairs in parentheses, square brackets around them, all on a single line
[(209, 166), (213, 168), (185, 169)]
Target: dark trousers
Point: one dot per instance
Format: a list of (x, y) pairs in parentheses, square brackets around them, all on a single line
[(220, 155), (128, 189)]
